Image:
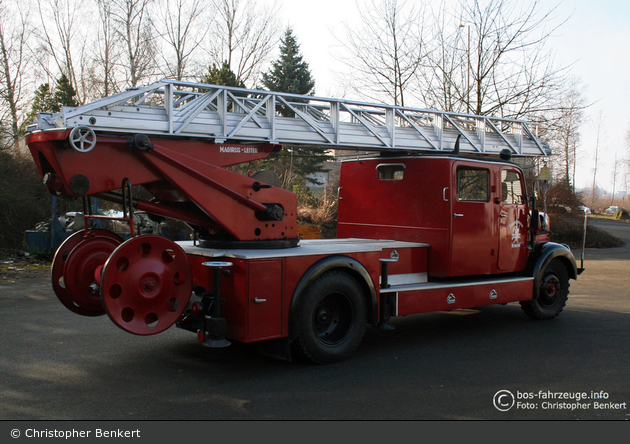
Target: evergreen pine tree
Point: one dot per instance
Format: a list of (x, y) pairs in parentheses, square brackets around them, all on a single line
[(51, 101), (222, 76), (64, 94), (291, 74), (42, 102)]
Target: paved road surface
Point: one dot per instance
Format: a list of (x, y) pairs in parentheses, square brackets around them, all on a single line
[(58, 365)]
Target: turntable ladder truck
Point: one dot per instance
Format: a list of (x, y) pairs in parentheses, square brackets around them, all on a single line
[(432, 216)]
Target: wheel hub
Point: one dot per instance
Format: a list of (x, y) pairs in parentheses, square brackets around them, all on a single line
[(550, 288), (323, 316), (146, 284), (150, 285), (332, 318)]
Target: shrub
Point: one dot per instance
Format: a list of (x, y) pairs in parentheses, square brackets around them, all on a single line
[(24, 201), (320, 211), (622, 214), (568, 228)]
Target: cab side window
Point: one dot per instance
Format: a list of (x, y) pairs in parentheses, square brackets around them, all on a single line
[(394, 171), (512, 190), (473, 184)]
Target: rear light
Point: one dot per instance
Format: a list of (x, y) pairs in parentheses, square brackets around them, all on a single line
[(196, 309)]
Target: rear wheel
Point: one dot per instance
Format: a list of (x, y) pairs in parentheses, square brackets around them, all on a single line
[(74, 266), (552, 293), (332, 318)]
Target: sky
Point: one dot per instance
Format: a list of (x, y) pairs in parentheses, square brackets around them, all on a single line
[(594, 41)]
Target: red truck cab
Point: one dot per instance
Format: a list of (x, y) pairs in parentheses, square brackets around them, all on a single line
[(472, 212)]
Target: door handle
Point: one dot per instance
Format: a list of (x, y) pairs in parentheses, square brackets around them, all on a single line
[(258, 301), (458, 215), (503, 216)]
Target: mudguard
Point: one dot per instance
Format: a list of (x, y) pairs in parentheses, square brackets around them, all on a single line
[(544, 254)]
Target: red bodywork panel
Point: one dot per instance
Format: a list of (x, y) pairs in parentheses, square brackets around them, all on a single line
[(411, 209), (259, 290), (274, 277)]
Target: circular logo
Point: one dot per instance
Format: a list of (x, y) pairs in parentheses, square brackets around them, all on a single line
[(503, 400)]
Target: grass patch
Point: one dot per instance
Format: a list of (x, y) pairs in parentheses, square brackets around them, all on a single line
[(15, 263)]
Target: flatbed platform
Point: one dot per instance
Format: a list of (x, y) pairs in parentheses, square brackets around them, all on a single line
[(306, 247)]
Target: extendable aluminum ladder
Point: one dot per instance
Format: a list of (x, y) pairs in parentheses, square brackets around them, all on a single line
[(237, 115)]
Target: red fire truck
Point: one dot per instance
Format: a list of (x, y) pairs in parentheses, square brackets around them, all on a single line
[(432, 216)]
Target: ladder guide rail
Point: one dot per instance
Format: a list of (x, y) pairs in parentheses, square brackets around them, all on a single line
[(229, 115)]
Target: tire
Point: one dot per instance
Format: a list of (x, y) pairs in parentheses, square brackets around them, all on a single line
[(552, 294), (331, 318)]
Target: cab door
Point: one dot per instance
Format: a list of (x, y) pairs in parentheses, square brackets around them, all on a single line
[(512, 221), (473, 227)]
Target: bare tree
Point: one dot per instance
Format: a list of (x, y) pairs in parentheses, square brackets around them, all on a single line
[(243, 35), (136, 31), (626, 177), (107, 53), (498, 58), (564, 132), (64, 38), (15, 31), (385, 54), (443, 79), (179, 19), (614, 177), (599, 128)]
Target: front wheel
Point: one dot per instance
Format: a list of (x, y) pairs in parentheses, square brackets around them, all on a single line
[(552, 293), (332, 318)]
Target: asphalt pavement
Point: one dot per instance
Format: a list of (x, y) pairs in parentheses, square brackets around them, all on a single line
[(458, 365)]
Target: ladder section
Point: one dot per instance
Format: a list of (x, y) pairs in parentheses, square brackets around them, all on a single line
[(231, 115)]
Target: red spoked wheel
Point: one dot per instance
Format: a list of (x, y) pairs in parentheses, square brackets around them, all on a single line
[(72, 283), (146, 284)]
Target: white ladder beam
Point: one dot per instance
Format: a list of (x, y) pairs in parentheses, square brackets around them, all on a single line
[(191, 112), (363, 121), (250, 116), (417, 128), (221, 113), (463, 133), (307, 118)]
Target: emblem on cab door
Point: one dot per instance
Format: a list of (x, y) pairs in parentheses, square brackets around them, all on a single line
[(450, 299), (516, 233)]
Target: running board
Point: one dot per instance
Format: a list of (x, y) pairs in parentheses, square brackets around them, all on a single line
[(446, 285), (408, 299)]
